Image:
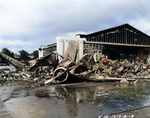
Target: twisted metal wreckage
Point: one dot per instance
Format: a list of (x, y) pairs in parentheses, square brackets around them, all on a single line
[(91, 67)]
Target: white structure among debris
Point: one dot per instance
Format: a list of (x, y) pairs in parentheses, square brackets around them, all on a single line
[(61, 46), (63, 42), (46, 49)]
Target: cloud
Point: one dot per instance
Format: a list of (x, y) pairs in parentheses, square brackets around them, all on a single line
[(30, 23), (15, 45)]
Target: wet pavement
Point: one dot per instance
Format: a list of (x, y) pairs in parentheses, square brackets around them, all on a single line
[(77, 100)]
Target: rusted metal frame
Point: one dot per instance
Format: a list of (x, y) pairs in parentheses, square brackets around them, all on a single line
[(94, 38), (106, 38), (128, 41), (97, 38), (105, 43), (111, 39), (102, 37), (148, 41), (145, 40), (119, 35), (112, 35), (134, 36), (130, 35), (122, 34), (125, 34), (140, 39), (116, 37), (89, 38)]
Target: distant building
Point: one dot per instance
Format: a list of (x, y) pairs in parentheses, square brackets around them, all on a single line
[(121, 42), (46, 49)]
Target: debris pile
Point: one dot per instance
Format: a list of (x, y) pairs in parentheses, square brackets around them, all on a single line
[(47, 69), (103, 67)]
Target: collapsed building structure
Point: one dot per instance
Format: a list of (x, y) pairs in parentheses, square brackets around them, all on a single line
[(120, 53), (121, 42)]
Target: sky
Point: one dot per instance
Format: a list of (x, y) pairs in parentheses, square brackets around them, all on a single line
[(28, 24)]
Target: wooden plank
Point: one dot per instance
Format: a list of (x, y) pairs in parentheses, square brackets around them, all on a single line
[(71, 51), (100, 79)]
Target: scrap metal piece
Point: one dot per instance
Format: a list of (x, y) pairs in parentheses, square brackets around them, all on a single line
[(61, 72), (71, 52)]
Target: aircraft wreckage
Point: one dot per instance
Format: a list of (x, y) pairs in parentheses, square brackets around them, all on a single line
[(91, 67)]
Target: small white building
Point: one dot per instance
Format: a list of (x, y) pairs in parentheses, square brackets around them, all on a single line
[(63, 42), (46, 49), (61, 46)]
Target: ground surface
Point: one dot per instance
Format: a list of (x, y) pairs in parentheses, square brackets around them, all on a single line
[(77, 100)]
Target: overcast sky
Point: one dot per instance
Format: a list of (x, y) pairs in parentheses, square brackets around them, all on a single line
[(27, 24)]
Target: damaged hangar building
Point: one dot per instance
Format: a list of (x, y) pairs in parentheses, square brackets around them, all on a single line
[(121, 42)]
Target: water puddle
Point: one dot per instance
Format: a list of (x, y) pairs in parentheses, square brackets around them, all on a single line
[(76, 100)]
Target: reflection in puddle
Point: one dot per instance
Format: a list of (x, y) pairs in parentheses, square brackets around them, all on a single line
[(77, 100)]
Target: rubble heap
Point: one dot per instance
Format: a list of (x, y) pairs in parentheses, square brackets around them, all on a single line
[(114, 68), (47, 70)]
